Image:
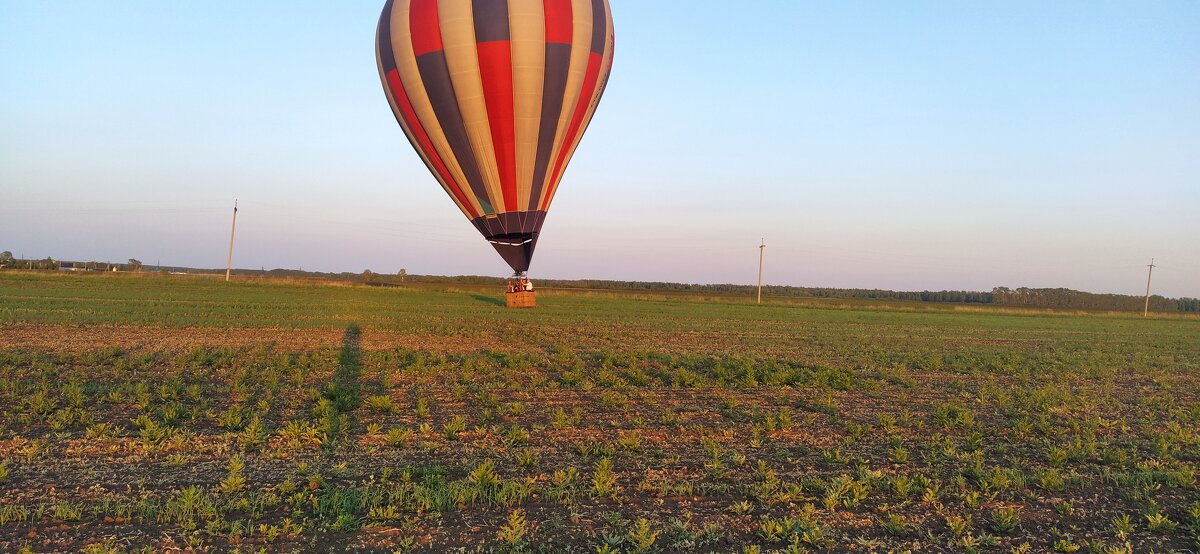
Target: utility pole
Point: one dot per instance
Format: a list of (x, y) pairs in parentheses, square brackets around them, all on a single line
[(232, 230), (761, 248), (1146, 310)]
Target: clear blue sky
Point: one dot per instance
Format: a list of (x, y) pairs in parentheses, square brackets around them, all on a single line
[(902, 145)]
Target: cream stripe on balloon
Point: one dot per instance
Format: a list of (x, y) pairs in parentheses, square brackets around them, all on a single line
[(581, 45), (527, 25), (456, 19), (408, 130), (410, 75)]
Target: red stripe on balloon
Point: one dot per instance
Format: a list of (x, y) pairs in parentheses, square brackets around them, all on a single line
[(581, 109), (410, 117), (496, 71), (559, 23), (423, 22)]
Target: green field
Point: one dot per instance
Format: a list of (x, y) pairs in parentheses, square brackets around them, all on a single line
[(154, 412)]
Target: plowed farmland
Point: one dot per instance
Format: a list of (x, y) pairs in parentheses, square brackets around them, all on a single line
[(156, 413)]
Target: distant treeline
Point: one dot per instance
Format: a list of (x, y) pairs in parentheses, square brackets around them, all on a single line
[(999, 296), (1067, 298)]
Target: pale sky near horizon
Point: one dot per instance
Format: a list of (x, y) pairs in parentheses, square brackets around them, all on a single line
[(895, 145)]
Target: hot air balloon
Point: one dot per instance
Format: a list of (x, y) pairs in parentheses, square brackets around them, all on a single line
[(494, 95)]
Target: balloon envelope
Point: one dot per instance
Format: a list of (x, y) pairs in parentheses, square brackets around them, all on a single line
[(494, 96)]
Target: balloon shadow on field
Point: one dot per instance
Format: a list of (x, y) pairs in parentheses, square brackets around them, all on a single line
[(488, 300)]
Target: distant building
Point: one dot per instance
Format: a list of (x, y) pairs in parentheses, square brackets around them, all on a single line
[(79, 266)]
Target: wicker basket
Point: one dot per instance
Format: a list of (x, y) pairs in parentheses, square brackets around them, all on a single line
[(522, 299)]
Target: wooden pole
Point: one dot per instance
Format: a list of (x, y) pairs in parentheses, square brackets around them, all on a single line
[(232, 230), (761, 248), (1146, 310)]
